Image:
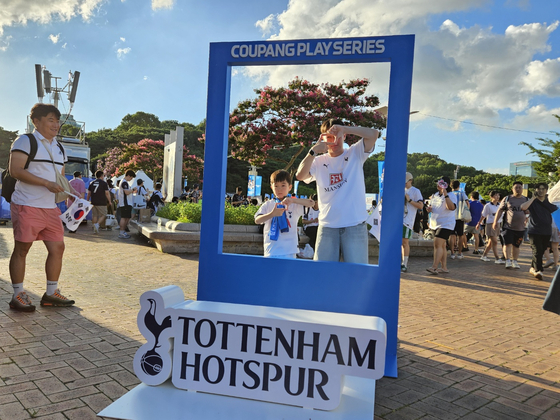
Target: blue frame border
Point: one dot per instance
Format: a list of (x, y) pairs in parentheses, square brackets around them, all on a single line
[(299, 284)]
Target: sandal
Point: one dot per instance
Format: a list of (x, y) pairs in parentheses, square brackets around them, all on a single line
[(441, 270), (432, 271)]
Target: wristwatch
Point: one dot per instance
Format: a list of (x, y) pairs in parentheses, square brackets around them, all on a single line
[(311, 152)]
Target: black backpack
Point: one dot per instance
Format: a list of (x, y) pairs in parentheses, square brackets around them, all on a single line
[(8, 181)]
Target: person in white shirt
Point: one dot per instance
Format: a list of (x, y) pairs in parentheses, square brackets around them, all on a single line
[(442, 222), (341, 190), (413, 202), (281, 243), (310, 221), (489, 213)]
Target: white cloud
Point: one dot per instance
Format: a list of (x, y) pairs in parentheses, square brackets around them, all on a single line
[(162, 4), (145, 77), (19, 12), (463, 73), (266, 25), (54, 38), (121, 52), (64, 45), (501, 171), (5, 43), (122, 39)]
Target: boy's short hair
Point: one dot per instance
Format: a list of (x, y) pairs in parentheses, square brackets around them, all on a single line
[(327, 124), (475, 195), (131, 173), (280, 175), (455, 184), (77, 174), (493, 193), (158, 186), (139, 181), (42, 110)]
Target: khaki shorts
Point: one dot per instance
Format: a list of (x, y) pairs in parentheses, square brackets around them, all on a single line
[(34, 224), (492, 232), (472, 230), (99, 212)]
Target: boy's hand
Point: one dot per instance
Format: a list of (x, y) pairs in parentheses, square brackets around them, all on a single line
[(287, 201), (277, 211)]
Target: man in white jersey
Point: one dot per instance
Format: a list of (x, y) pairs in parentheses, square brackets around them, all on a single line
[(341, 191), (35, 216), (413, 202)]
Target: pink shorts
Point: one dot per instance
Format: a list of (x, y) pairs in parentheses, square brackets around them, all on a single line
[(35, 224)]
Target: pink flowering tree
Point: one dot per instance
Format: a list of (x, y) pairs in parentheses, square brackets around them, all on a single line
[(147, 155), (281, 118)]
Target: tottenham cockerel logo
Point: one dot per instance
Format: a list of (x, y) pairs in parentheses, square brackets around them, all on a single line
[(153, 361)]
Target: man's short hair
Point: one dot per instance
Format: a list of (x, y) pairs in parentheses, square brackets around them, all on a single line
[(517, 183), (327, 124), (455, 184), (475, 195), (140, 181), (77, 174), (98, 174), (131, 173), (42, 110), (541, 184), (158, 186), (279, 176), (239, 189)]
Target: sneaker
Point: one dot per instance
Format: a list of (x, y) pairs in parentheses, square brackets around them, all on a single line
[(514, 264), (124, 235), (549, 263), (532, 271), (107, 228), (452, 256), (508, 264), (538, 275), (475, 252), (404, 268), (460, 256), (21, 302), (500, 261), (56, 299), (485, 258), (465, 249), (95, 230)]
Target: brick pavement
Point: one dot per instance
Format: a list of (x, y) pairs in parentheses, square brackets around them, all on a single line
[(473, 344)]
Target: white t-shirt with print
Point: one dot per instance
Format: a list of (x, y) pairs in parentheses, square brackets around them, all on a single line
[(442, 217), (489, 211), (410, 211), (287, 242), (41, 166), (341, 188)]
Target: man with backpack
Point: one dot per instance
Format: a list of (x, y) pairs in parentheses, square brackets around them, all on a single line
[(35, 216)]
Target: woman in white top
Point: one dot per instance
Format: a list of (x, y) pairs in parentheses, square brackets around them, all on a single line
[(489, 213), (442, 222)]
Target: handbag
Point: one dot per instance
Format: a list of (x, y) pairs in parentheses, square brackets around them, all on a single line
[(60, 180), (463, 212), (552, 300)]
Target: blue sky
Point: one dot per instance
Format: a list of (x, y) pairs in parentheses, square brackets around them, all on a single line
[(487, 62)]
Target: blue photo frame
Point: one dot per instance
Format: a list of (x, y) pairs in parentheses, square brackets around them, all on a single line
[(361, 289)]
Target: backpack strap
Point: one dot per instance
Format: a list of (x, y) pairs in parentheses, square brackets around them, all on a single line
[(32, 149)]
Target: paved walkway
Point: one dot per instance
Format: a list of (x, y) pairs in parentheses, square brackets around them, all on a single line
[(472, 344)]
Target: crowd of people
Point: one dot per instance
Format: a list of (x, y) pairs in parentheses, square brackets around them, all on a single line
[(332, 219)]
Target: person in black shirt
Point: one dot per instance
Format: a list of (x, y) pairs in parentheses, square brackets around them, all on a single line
[(238, 198), (540, 226), (98, 195)]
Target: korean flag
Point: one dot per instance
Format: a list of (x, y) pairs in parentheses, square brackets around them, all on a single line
[(76, 213)]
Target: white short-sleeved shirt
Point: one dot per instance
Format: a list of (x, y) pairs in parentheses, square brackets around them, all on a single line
[(41, 166), (489, 211), (125, 199), (410, 211), (441, 217), (287, 242), (341, 188), (312, 214)]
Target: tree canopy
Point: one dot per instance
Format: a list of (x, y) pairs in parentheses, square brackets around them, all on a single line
[(549, 155), (6, 140), (290, 117)]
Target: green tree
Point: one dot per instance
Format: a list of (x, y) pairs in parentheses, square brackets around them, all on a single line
[(6, 140), (139, 119), (548, 154)]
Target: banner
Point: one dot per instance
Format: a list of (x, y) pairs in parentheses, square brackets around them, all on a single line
[(462, 186), (374, 220), (296, 183), (76, 213), (381, 174), (254, 186)]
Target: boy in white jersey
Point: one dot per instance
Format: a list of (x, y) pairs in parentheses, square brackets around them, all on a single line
[(277, 243)]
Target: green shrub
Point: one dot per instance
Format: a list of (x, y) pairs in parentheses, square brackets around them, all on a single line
[(191, 213)]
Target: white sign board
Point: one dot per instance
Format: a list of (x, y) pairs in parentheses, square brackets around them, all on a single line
[(278, 355)]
